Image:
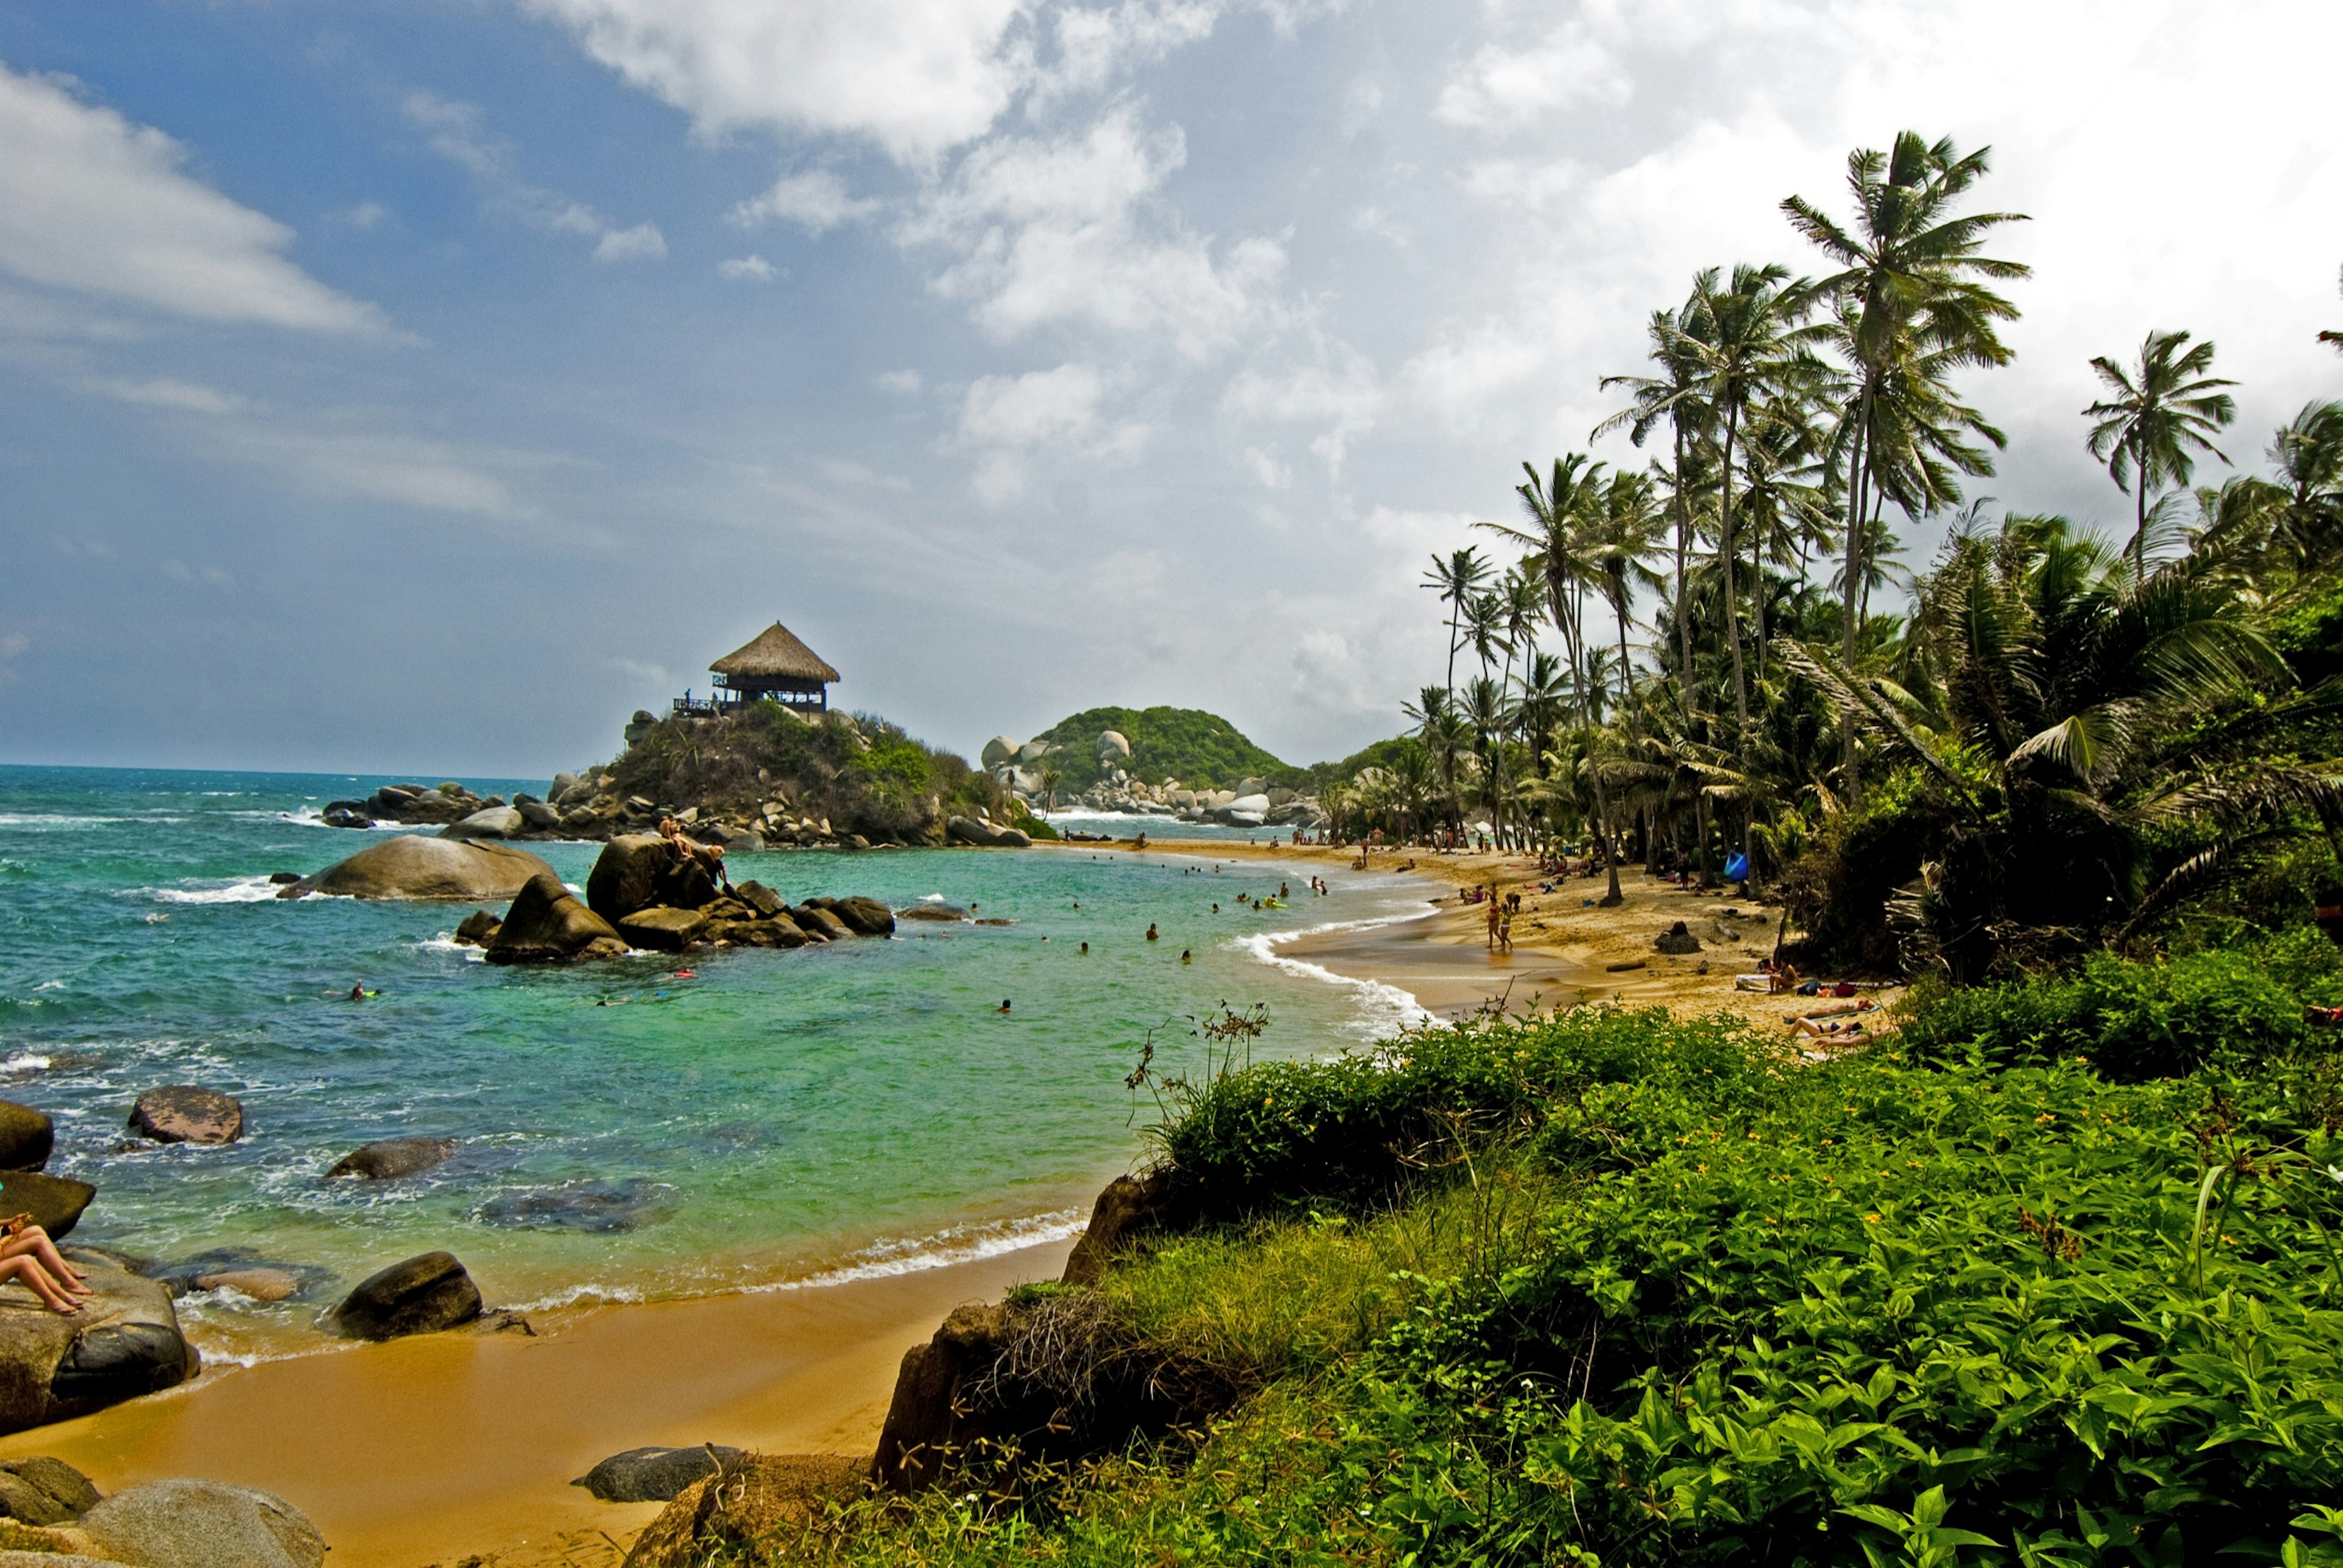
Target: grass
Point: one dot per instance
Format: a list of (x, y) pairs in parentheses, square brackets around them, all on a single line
[(1608, 1289)]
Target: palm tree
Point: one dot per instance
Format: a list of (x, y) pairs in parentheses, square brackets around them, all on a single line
[(1677, 395), (1546, 694), (1456, 580), (1521, 596), (1485, 629), (2307, 453), (1911, 306), (2156, 420), (1625, 541), (1440, 732), (1051, 780)]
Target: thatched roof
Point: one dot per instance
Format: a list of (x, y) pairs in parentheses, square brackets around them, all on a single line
[(775, 654)]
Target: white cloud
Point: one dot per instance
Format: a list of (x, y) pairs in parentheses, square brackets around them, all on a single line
[(177, 396), (641, 243), (1095, 46), (457, 133), (1340, 391), (1005, 417), (902, 383), (749, 270), (91, 203), (915, 77), (367, 215), (1268, 469), (816, 200), (1064, 230), (1505, 84)]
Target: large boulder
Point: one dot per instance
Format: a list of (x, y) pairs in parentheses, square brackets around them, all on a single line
[(661, 929), (55, 1202), (496, 822), (537, 814), (26, 1137), (391, 1158), (123, 1342), (1000, 749), (1113, 747), (546, 924), (654, 1475), (1128, 1208), (775, 931), (821, 923), (43, 1491), (641, 871), (736, 1510), (761, 899), (413, 866), (865, 917), (421, 1296), (479, 929), (203, 1524), (989, 835), (1034, 751), (186, 1113)]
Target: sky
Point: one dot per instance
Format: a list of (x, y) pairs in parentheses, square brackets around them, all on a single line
[(423, 387)]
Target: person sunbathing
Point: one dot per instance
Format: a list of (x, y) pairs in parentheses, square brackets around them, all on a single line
[(26, 1253), (1784, 979)]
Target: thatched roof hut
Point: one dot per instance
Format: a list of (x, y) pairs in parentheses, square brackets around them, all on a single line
[(775, 664)]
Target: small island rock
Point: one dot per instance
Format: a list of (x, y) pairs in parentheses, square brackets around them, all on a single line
[(391, 1158), (479, 928), (495, 822), (203, 1524), (186, 1113), (413, 866), (662, 930), (421, 1295)]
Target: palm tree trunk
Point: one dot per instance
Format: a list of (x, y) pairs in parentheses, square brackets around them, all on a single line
[(1724, 553), (1683, 543), (1859, 480), (1568, 615)]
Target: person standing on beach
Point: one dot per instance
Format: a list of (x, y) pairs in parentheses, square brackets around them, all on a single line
[(1495, 916)]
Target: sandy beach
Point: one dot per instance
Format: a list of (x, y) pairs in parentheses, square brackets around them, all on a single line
[(442, 1447)]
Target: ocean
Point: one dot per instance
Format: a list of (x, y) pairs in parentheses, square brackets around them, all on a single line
[(626, 1132)]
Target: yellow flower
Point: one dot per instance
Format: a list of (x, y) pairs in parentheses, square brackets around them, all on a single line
[(1871, 1219)]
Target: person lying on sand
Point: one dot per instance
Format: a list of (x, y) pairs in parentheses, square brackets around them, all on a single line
[(1850, 1029), (1784, 979)]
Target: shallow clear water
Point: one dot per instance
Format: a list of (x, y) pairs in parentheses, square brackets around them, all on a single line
[(859, 1107)]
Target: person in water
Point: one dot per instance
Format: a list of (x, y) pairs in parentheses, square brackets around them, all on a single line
[(1086, 950), (359, 992), (1152, 935), (1003, 1007), (1186, 957)]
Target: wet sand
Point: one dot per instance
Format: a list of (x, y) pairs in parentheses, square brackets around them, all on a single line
[(444, 1446)]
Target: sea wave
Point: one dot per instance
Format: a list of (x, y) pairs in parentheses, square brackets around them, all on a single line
[(889, 1257), (1387, 1006), (234, 890)]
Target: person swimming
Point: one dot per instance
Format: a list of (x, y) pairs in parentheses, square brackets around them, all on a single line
[(1003, 1007), (1086, 948), (1151, 934), (1186, 957)]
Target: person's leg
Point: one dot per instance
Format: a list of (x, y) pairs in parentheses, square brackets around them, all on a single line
[(35, 1241), (36, 1280)]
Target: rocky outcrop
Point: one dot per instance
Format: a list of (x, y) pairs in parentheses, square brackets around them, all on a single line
[(26, 1137), (940, 913), (187, 1113), (547, 924), (757, 1496), (421, 1296), (641, 871), (986, 835), (411, 866), (1128, 1208), (779, 931), (495, 822), (123, 1342), (655, 1474), (863, 917), (391, 1158), (821, 924), (203, 1524), (43, 1491), (662, 930), (55, 1202), (479, 929)]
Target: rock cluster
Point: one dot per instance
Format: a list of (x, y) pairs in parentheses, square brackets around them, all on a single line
[(645, 895), (1253, 803)]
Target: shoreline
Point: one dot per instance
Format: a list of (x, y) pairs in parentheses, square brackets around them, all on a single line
[(440, 1447)]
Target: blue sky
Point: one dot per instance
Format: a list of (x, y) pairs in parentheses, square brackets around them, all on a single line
[(423, 387)]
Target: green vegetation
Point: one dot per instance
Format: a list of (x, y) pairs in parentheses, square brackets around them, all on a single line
[(1605, 1288), (2060, 742), (863, 773), (1201, 749)]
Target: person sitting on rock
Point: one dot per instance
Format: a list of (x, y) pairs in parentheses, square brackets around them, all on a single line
[(26, 1253)]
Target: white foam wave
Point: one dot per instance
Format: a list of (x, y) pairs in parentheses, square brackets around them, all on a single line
[(886, 1259), (1388, 1007), (56, 819), (25, 1062), (579, 1295), (444, 943), (236, 891)]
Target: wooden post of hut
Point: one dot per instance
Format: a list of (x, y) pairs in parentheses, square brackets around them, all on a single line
[(775, 665)]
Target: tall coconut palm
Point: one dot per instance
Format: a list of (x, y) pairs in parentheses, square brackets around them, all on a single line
[(1625, 541), (1485, 629), (1911, 306), (1442, 734), (1457, 577), (1678, 395), (2155, 420), (1524, 599)]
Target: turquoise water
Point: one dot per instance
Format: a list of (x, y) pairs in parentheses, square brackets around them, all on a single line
[(861, 1108)]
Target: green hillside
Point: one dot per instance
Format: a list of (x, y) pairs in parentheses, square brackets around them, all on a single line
[(1196, 748)]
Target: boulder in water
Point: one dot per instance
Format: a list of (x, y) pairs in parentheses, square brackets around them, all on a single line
[(865, 917), (654, 1475), (602, 1207), (987, 835), (538, 814), (412, 865), (640, 872), (495, 822), (186, 1113), (777, 931), (937, 912), (479, 929), (821, 923), (546, 924), (203, 1524), (26, 1137), (761, 897), (421, 1295), (55, 1202), (391, 1158), (661, 930)]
